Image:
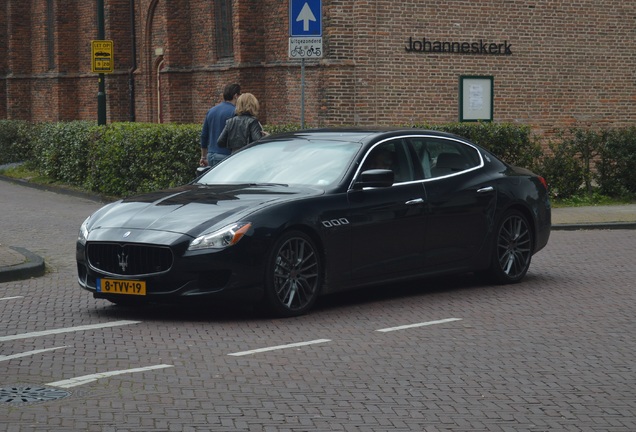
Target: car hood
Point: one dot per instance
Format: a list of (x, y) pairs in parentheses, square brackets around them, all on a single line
[(192, 209)]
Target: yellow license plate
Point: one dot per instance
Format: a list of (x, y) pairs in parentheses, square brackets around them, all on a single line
[(119, 286)]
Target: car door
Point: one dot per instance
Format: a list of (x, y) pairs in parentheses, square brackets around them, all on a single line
[(387, 223), (461, 203)]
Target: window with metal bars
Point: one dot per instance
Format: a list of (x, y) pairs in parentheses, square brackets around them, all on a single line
[(223, 28), (50, 34)]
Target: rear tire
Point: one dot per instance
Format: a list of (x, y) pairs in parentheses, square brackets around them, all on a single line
[(293, 276), (512, 251)]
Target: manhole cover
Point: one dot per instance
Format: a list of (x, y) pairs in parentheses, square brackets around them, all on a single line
[(30, 394)]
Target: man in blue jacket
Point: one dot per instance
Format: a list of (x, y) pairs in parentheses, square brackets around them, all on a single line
[(211, 153)]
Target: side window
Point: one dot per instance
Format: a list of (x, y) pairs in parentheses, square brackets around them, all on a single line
[(380, 157), (450, 157), (439, 157), (223, 28), (393, 155)]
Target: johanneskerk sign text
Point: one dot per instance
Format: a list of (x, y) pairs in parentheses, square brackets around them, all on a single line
[(428, 46)]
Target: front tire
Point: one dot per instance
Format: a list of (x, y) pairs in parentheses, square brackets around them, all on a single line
[(294, 275), (512, 252)]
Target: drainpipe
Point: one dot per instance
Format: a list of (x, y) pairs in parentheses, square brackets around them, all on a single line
[(133, 66), (159, 111)]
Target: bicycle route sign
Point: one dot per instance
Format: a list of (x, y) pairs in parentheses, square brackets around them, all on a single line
[(305, 29)]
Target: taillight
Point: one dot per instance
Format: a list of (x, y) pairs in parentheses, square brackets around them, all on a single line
[(543, 182)]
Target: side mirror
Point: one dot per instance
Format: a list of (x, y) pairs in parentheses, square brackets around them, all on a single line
[(375, 178), (201, 171)]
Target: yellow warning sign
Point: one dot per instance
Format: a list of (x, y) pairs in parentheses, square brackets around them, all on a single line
[(102, 56)]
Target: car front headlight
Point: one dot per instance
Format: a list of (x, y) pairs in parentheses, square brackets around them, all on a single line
[(82, 236), (225, 237)]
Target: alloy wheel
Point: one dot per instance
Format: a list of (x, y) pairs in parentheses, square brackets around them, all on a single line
[(295, 275), (514, 246)]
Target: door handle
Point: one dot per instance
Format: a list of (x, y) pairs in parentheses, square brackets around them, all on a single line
[(486, 189), (415, 201)]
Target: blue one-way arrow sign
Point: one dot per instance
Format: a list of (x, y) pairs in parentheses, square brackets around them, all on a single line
[(305, 18)]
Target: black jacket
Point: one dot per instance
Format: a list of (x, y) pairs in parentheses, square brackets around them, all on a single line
[(239, 131)]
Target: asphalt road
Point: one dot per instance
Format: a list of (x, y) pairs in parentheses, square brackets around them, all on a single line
[(553, 353)]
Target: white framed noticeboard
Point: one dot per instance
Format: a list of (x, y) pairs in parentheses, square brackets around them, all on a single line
[(476, 98)]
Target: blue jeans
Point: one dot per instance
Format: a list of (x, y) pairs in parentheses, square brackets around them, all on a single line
[(215, 158)]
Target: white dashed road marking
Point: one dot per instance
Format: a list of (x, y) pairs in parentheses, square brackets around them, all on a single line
[(11, 298), (28, 353), (73, 382), (408, 326), (273, 348), (66, 330)]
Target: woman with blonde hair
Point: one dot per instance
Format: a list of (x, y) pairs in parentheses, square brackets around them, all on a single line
[(244, 128)]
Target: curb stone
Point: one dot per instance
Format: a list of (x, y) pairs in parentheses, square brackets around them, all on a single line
[(33, 266), (595, 226)]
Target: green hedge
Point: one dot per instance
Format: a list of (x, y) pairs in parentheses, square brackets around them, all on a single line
[(584, 161), (15, 141), (122, 159), (61, 150), (129, 158), (616, 169)]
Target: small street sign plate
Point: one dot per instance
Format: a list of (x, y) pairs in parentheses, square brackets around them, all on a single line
[(102, 56), (305, 47)]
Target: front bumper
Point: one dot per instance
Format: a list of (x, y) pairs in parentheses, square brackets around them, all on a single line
[(192, 274)]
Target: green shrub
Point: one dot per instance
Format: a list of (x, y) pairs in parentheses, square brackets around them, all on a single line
[(586, 145), (133, 158), (16, 141), (562, 170), (585, 161), (63, 149), (616, 170), (122, 159)]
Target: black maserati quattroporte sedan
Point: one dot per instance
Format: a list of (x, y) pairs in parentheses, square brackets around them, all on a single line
[(301, 214)]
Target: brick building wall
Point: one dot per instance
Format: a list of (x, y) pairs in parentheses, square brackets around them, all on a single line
[(568, 63)]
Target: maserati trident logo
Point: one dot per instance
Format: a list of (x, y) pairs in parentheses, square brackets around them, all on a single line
[(126, 234), (122, 260)]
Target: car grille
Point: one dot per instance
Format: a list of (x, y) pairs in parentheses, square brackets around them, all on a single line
[(129, 259)]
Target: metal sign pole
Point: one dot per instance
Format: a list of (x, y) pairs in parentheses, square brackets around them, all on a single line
[(302, 93), (305, 38), (101, 92)]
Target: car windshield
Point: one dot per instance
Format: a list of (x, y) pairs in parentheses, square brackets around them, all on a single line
[(289, 162)]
